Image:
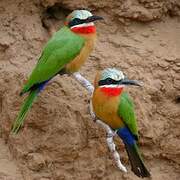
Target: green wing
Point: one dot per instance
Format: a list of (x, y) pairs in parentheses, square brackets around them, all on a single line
[(126, 112), (63, 47)]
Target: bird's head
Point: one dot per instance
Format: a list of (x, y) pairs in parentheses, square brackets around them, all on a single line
[(113, 80), (82, 21)]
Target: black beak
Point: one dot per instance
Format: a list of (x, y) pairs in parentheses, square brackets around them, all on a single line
[(130, 82), (93, 18)]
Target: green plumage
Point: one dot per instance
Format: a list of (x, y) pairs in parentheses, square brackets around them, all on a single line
[(24, 109), (126, 112), (63, 47)]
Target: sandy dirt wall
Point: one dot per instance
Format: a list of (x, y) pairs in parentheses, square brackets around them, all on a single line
[(59, 140)]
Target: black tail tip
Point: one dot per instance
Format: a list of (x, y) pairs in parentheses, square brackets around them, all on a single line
[(142, 173)]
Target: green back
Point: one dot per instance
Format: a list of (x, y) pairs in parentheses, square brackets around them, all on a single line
[(63, 47), (126, 112)]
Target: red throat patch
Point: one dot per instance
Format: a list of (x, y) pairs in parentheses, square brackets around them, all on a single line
[(84, 30), (112, 91)]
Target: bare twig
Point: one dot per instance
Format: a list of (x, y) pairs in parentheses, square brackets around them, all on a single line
[(110, 133)]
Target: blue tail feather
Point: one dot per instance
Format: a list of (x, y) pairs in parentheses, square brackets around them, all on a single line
[(134, 155), (39, 87), (42, 85), (126, 136)]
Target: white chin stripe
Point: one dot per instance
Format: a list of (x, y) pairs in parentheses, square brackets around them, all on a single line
[(83, 25), (112, 86)]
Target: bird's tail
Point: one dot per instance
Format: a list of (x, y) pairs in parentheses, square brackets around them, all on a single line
[(24, 109), (137, 165), (136, 161)]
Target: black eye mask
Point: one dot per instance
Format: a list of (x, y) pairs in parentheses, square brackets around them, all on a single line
[(76, 21), (107, 81)]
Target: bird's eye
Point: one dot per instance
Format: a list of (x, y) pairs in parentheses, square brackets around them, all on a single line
[(76, 21), (109, 81)]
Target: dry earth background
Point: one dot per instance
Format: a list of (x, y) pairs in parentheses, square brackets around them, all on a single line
[(59, 141)]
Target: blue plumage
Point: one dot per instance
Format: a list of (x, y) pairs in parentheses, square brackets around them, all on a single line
[(125, 134), (42, 85)]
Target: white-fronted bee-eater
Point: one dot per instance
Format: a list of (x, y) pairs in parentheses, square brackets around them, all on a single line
[(113, 106), (65, 52)]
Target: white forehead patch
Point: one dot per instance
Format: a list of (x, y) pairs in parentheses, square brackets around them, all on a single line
[(112, 73), (81, 14)]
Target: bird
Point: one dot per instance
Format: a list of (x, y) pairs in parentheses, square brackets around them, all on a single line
[(65, 52), (113, 106)]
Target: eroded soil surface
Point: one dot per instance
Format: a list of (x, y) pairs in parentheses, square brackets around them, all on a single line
[(59, 140)]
